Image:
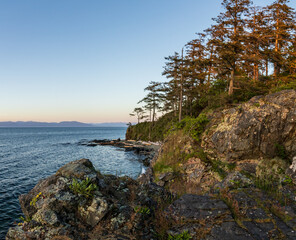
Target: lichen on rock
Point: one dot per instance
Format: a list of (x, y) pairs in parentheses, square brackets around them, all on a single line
[(254, 128)]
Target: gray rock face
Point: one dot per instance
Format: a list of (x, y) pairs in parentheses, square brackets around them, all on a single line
[(25, 199), (292, 170), (235, 179), (227, 231), (211, 217), (255, 128), (194, 207), (244, 217), (81, 169), (93, 213)]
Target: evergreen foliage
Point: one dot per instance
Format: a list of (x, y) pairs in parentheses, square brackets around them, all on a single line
[(193, 127), (147, 131)]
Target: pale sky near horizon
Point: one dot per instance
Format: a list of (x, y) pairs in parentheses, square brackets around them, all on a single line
[(89, 61)]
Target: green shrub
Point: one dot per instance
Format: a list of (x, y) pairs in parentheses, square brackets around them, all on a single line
[(280, 151), (142, 210), (146, 131), (84, 187), (287, 180), (288, 82), (24, 220), (161, 167), (182, 236), (193, 127)]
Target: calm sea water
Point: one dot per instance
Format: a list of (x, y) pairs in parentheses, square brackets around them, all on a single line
[(30, 154)]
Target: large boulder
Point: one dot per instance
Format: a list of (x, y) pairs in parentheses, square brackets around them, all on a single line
[(58, 208), (264, 126), (81, 169)]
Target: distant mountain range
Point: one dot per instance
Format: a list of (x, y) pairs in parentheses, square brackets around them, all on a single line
[(61, 124)]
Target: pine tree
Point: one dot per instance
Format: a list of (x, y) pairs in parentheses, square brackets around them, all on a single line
[(196, 71), (173, 70), (153, 99), (227, 34), (256, 43), (282, 27), (139, 112)]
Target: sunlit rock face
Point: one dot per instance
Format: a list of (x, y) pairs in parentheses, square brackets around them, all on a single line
[(263, 126)]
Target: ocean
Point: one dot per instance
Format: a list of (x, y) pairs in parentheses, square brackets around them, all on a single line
[(30, 154)]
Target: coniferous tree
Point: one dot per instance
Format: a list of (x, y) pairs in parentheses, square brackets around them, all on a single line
[(139, 112), (196, 71), (227, 34), (153, 99), (282, 24), (245, 43), (256, 43), (174, 71)]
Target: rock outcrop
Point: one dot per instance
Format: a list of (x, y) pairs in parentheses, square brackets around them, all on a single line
[(117, 208), (239, 180), (263, 126), (145, 149)]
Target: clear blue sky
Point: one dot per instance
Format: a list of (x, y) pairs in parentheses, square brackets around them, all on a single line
[(89, 60)]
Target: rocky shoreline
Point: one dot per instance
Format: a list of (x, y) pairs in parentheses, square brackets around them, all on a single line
[(123, 208), (117, 208), (146, 149), (238, 182)]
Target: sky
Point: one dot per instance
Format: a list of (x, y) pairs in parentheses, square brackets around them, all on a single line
[(90, 60)]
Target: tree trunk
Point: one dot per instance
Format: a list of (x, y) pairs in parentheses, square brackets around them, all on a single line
[(210, 67), (230, 90), (153, 114), (181, 91), (256, 72), (276, 66)]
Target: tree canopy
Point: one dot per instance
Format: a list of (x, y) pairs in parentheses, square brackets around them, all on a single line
[(248, 50)]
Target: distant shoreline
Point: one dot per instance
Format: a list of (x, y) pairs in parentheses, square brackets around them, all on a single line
[(21, 124), (62, 127)]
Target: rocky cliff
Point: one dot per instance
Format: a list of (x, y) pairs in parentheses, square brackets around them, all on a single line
[(239, 178), (234, 180), (257, 128)]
